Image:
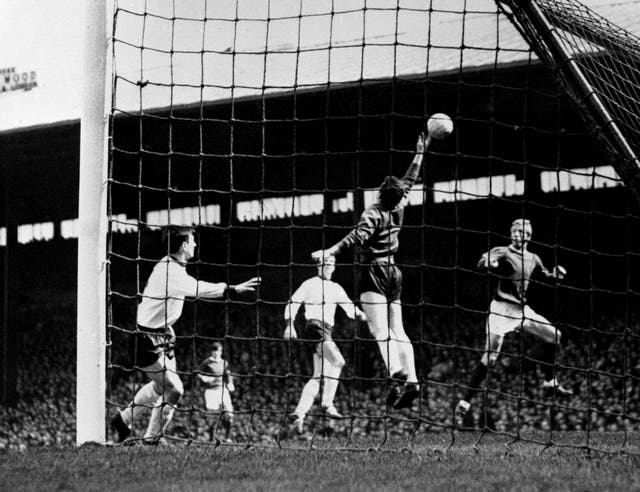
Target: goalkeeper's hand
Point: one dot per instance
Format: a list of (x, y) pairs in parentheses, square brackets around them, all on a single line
[(423, 143), (230, 387)]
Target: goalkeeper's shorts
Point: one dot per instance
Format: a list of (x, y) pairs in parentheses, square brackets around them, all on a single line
[(150, 344), (383, 278)]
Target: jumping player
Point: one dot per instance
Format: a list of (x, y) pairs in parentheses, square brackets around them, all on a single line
[(320, 297), (509, 311), (381, 279), (161, 306), (214, 373)]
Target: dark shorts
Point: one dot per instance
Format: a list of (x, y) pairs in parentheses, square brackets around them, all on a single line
[(151, 344), (383, 278), (317, 331)]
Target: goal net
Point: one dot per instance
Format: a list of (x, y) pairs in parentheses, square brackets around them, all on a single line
[(268, 126)]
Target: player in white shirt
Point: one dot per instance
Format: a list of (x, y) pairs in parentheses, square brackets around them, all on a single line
[(214, 374), (320, 297), (161, 306)]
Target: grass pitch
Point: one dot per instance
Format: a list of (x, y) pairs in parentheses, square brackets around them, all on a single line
[(430, 462)]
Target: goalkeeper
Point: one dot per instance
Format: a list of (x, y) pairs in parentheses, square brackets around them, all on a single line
[(509, 311), (161, 306), (381, 279)]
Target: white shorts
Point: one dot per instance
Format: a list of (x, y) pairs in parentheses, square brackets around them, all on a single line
[(506, 317), (218, 398)]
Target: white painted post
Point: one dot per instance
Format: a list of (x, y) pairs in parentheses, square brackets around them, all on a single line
[(91, 317)]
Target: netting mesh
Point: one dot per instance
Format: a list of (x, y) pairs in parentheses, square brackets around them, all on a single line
[(611, 61), (268, 126), (607, 59)]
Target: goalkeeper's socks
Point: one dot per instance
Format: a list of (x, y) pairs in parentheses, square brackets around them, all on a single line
[(547, 359), (478, 375), (411, 392)]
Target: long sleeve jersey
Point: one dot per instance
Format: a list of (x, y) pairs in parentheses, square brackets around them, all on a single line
[(163, 296), (515, 269), (320, 297), (213, 372), (377, 230)]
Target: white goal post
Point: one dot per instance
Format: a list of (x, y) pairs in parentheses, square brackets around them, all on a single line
[(92, 221)]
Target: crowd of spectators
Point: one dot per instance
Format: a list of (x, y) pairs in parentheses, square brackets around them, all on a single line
[(599, 363)]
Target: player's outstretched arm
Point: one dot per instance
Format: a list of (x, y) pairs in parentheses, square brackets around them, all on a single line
[(411, 175), (248, 286), (367, 225)]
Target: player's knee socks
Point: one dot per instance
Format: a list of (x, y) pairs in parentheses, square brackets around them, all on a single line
[(407, 360), (390, 356), (143, 400), (167, 416), (309, 393), (227, 421), (161, 416), (330, 384), (547, 359), (477, 377)]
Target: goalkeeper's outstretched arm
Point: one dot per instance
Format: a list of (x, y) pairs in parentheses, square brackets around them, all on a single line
[(370, 219)]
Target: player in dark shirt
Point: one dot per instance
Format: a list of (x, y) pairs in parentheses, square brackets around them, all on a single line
[(381, 279), (509, 311), (214, 374)]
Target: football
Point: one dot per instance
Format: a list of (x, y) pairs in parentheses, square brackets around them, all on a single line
[(439, 126)]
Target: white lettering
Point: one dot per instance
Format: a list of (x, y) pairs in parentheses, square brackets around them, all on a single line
[(477, 188), (584, 178), (280, 207), (342, 205), (120, 223), (187, 216), (416, 195), (370, 197), (42, 231)]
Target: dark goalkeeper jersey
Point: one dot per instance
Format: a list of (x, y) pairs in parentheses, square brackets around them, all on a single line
[(378, 228), (515, 270)]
